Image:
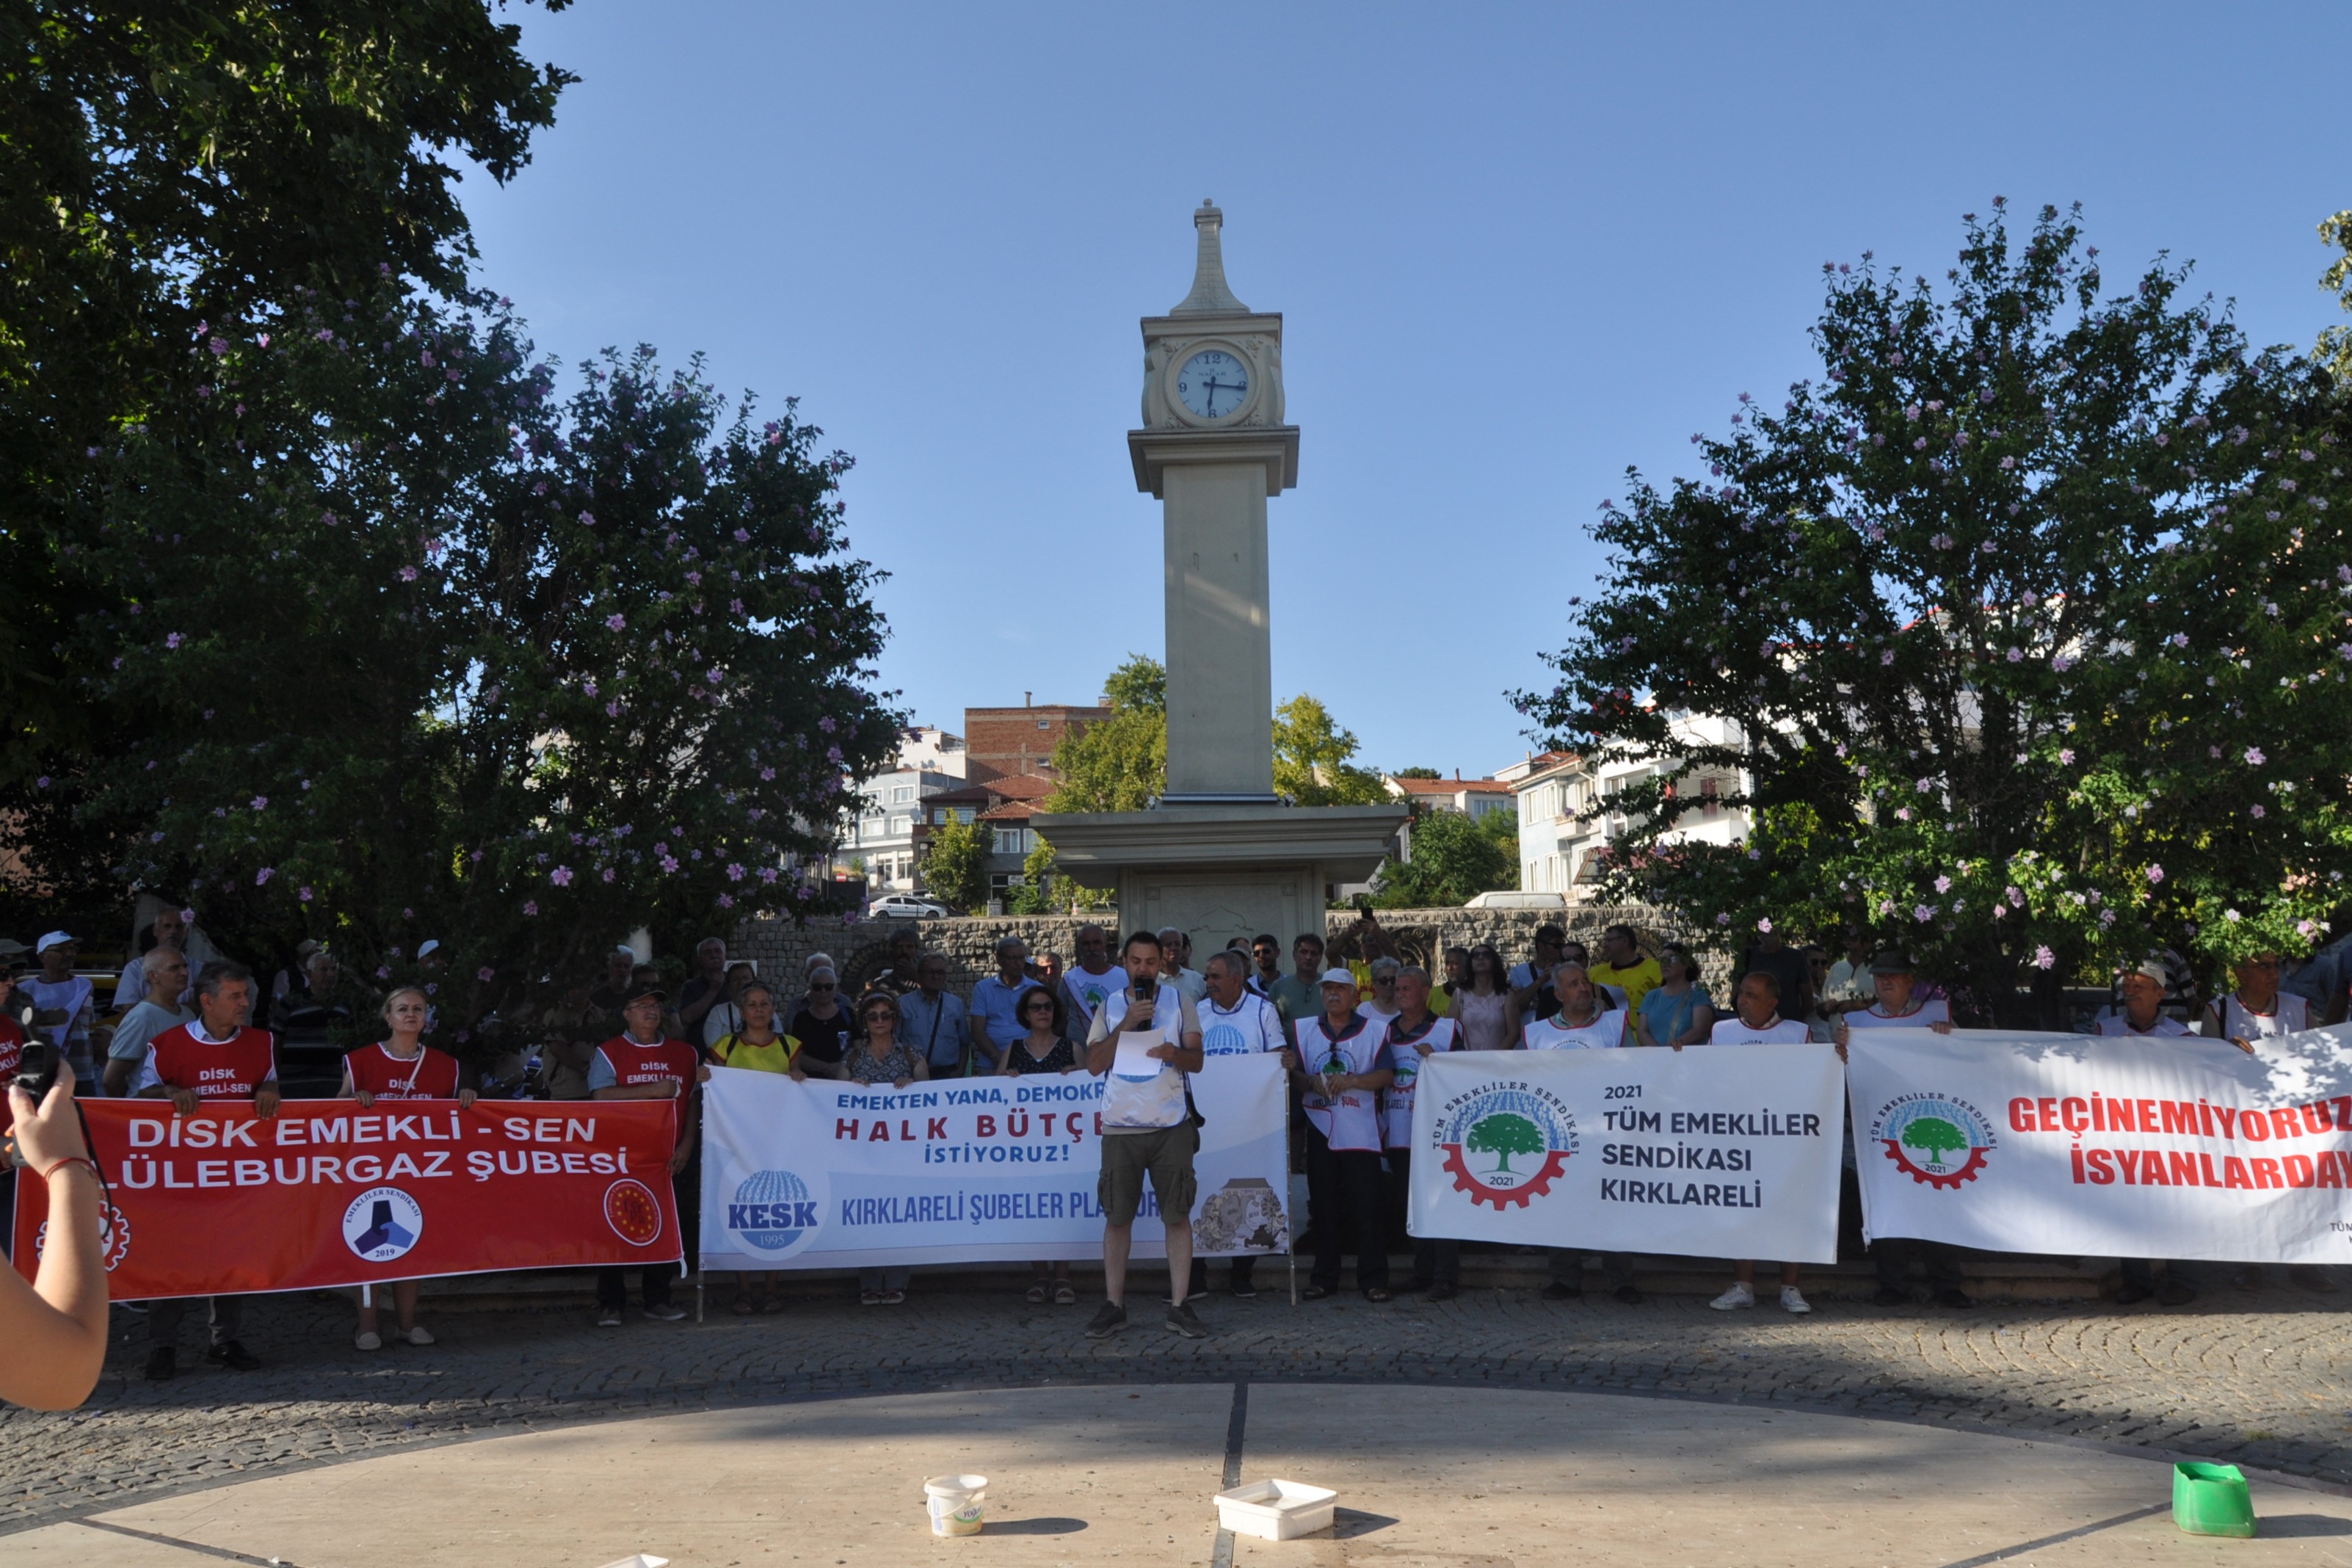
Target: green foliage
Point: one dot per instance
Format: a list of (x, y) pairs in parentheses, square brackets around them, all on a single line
[(1121, 763), (171, 167), (1417, 773), (418, 650), (1504, 1135), (955, 863), (1138, 686), (1935, 1137), (2335, 349), (1313, 759), (2032, 617), (1454, 860)]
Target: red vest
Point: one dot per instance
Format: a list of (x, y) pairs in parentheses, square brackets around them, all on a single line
[(376, 1071), (232, 1070), (671, 1061), (12, 1050)]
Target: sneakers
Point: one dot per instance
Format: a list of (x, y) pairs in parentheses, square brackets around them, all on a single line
[(419, 1335), (162, 1365), (2172, 1293), (608, 1316), (1110, 1319), (232, 1353), (1731, 1300), (2130, 1295), (1443, 1291), (367, 1340), (1181, 1321), (1629, 1294), (1244, 1290), (664, 1312), (1891, 1296), (1955, 1299), (1560, 1290), (1794, 1299)]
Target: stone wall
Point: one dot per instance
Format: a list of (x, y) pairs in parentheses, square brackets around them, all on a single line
[(860, 949)]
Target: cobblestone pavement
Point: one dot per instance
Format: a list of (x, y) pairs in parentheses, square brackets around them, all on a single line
[(2262, 1380)]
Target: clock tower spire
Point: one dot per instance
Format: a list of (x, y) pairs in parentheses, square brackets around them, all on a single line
[(1209, 296)]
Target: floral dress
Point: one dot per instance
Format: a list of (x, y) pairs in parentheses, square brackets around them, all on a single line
[(898, 1063)]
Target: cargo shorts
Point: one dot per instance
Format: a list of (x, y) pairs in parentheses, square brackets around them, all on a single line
[(1165, 1155)]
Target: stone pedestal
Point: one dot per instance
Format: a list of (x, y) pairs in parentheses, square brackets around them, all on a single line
[(1220, 872)]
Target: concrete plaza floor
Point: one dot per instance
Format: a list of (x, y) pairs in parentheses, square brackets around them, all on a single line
[(1428, 1477)]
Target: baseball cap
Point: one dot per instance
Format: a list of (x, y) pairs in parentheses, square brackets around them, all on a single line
[(1338, 976), (639, 993), (1891, 961), (2149, 967), (429, 944), (54, 939)]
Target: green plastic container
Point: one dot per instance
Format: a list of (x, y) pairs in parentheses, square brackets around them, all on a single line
[(2211, 1499)]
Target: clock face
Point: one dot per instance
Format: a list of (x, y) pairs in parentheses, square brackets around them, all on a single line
[(1212, 383)]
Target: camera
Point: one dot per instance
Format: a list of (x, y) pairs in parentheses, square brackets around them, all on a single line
[(37, 1069)]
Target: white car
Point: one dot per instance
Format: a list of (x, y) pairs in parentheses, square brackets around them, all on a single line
[(1502, 900), (905, 906)]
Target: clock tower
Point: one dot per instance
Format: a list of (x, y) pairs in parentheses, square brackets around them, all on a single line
[(1214, 448), (1219, 854)]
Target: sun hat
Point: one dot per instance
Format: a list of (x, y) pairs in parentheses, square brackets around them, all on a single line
[(1338, 976)]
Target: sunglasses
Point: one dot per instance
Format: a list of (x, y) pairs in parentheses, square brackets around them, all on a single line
[(822, 985)]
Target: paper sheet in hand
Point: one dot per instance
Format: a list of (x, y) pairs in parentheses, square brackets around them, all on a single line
[(1132, 1061)]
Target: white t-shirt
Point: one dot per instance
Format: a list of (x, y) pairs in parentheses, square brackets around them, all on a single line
[(2114, 1022), (1142, 1104), (1779, 1031), (1606, 1033), (1252, 1027), (1878, 1017), (2291, 1014)]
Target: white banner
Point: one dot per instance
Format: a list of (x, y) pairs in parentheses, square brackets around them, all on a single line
[(989, 1170), (1712, 1151), (2087, 1147)]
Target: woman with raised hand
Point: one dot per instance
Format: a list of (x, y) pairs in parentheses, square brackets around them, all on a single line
[(401, 1068)]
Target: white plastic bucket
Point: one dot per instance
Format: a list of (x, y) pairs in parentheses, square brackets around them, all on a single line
[(956, 1503)]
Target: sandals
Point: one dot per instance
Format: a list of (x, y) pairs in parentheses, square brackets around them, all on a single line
[(743, 1308), (894, 1298), (1037, 1289), (869, 1298), (1377, 1294), (1065, 1294), (771, 1303), (1316, 1292)]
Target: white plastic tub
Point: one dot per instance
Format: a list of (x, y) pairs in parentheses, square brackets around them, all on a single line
[(957, 1504), (1276, 1509)]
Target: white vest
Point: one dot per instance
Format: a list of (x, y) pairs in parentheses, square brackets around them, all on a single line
[(1732, 1032), (1606, 1033), (2292, 1017), (1354, 1121), (1937, 1011), (1396, 1100)]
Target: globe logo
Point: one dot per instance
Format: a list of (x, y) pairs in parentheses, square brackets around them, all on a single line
[(772, 1210), (1223, 1040)]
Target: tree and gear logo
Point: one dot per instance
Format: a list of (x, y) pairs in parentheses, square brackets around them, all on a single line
[(1505, 1143), (1937, 1140)]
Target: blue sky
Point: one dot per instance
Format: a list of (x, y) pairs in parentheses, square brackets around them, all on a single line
[(1516, 248)]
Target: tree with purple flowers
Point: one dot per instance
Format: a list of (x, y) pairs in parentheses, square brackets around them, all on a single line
[(2032, 609), (420, 650)]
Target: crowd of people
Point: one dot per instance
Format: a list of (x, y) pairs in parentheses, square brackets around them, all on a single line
[(1352, 1033)]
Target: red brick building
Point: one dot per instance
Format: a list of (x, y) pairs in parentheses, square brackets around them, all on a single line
[(999, 741)]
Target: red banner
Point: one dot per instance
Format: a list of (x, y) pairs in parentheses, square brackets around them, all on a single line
[(327, 1194)]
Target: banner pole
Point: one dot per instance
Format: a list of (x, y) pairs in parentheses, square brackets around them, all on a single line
[(1292, 1248), (698, 1275)]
